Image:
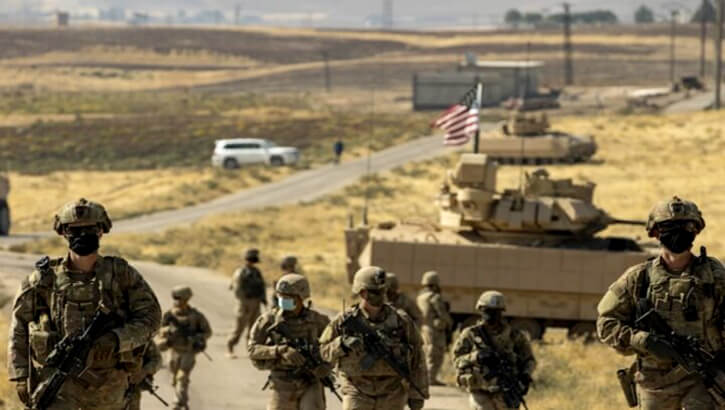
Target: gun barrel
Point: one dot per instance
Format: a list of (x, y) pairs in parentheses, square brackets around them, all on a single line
[(628, 222)]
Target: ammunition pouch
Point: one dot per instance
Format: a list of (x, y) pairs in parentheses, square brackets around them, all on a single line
[(629, 388), (42, 340)]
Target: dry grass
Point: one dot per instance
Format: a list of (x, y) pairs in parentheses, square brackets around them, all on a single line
[(8, 399), (126, 193), (645, 158)]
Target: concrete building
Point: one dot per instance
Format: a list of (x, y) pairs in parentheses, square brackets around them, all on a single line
[(501, 81)]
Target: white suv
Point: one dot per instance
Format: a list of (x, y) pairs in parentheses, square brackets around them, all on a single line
[(233, 153)]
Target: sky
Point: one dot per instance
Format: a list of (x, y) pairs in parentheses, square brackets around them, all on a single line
[(486, 11)]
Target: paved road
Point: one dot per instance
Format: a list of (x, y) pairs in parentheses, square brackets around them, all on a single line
[(301, 186), (698, 102), (224, 383)]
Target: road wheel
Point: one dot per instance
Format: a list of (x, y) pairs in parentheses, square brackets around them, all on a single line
[(584, 331), (276, 161), (231, 163), (4, 218), (530, 326)]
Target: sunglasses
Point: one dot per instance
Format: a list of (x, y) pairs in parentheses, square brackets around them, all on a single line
[(80, 230)]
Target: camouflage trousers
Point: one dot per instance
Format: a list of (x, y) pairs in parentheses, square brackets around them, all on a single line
[(110, 395), (181, 365), (247, 312), (688, 394), (296, 396), (487, 401), (134, 402), (434, 347), (395, 400)]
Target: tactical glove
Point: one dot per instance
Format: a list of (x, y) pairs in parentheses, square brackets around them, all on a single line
[(659, 347), (103, 350), (351, 344), (21, 386), (291, 357), (415, 404)]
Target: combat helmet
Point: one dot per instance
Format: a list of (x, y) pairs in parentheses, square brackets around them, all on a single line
[(369, 278), (181, 292), (251, 254), (293, 284), (491, 299), (430, 278), (81, 213), (675, 209), (392, 281), (289, 263)]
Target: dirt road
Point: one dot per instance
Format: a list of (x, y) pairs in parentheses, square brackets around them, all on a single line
[(223, 383)]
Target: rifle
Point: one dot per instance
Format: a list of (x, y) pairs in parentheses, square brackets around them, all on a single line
[(504, 371), (147, 385), (68, 358), (199, 345), (311, 353), (686, 351), (375, 348)]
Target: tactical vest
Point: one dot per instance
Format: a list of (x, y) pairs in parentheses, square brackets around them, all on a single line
[(70, 300), (180, 333), (502, 343), (251, 284), (392, 331), (687, 301), (303, 328)]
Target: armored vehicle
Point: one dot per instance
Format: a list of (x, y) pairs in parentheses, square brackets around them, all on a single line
[(527, 139), (537, 244)]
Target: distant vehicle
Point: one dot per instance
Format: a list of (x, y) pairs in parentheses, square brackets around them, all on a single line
[(233, 153)]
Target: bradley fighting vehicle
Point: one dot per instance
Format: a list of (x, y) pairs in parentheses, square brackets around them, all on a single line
[(536, 244), (527, 139)]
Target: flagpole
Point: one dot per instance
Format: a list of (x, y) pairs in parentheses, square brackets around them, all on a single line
[(479, 95)]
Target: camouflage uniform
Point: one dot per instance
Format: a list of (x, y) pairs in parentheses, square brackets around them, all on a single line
[(250, 290), (691, 302), (401, 300), (378, 387), (184, 331), (150, 365), (474, 376), (4, 208), (56, 301), (292, 387), (436, 322)]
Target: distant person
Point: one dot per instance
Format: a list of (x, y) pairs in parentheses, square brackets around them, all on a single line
[(401, 300), (338, 148), (184, 331), (436, 323), (4, 208), (250, 290)]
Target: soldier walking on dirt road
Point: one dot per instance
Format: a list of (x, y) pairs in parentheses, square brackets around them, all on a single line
[(436, 323), (250, 290)]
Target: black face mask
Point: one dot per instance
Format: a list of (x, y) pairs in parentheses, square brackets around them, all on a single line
[(677, 240), (84, 244), (253, 259)]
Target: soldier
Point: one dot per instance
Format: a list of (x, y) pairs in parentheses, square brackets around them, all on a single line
[(436, 323), (368, 381), (62, 296), (276, 343), (493, 361), (250, 290), (184, 331), (685, 291), (290, 264), (401, 300), (143, 375), (4, 208)]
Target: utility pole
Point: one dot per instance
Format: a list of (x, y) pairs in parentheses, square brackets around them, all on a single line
[(673, 35), (237, 14), (718, 52), (568, 64), (328, 84), (703, 36), (387, 16)]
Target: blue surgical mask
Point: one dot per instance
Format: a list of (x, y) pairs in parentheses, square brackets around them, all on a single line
[(286, 303)]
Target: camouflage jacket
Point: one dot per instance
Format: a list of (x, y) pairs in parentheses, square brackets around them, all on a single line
[(400, 334), (184, 330), (700, 288), (404, 303), (45, 309), (434, 311), (150, 364), (248, 283), (265, 342), (511, 343)]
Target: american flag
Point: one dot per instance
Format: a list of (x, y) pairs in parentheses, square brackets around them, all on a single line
[(460, 121)]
